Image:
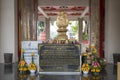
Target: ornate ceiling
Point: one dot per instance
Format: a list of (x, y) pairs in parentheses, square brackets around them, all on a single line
[(71, 10), (74, 8)]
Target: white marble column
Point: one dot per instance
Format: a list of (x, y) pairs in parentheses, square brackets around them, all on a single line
[(8, 29)]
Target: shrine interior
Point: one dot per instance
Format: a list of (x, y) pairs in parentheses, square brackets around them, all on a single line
[(58, 39)]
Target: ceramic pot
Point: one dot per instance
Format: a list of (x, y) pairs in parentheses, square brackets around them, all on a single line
[(32, 71), (85, 72)]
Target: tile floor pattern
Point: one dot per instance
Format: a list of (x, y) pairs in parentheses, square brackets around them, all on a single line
[(9, 72)]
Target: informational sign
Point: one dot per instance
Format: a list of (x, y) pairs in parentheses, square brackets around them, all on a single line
[(59, 57), (29, 47)]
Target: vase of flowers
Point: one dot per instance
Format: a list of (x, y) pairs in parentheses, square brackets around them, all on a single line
[(23, 68), (85, 65), (85, 68), (32, 67), (95, 67)]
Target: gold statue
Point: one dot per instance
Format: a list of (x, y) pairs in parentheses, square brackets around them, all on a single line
[(62, 23)]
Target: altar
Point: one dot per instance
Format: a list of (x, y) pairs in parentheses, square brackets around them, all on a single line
[(58, 55)]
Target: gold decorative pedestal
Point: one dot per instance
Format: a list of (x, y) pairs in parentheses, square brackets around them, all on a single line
[(62, 34)]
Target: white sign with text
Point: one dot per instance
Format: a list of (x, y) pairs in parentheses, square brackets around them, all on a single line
[(29, 47)]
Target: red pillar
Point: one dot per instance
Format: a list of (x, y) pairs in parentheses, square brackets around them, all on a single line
[(102, 16)]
